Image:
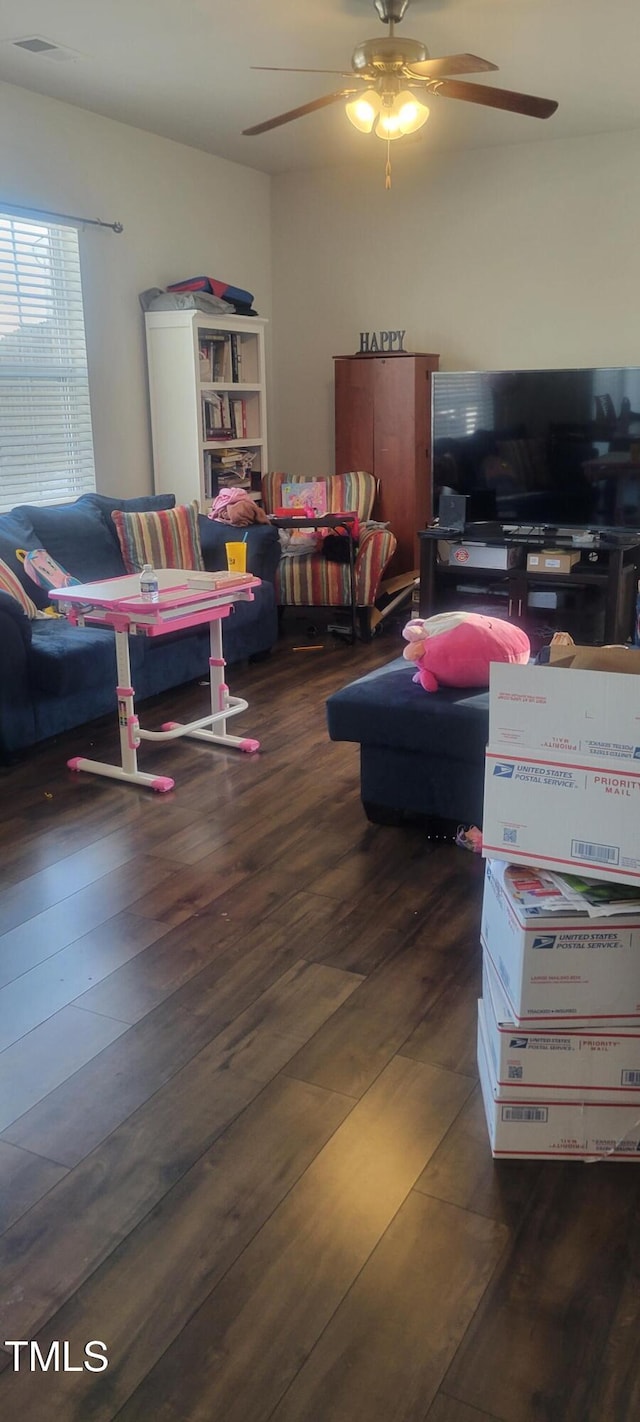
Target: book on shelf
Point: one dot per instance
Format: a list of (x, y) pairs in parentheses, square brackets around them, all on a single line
[(211, 413), (230, 458), (205, 361), (220, 358), (239, 418), (222, 364), (231, 474), (234, 481), (235, 358), (223, 417), (215, 486), (216, 417), (231, 470)]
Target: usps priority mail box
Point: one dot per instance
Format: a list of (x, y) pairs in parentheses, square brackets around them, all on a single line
[(562, 783), (565, 815), (572, 1060), (563, 715), (534, 1128), (554, 965)]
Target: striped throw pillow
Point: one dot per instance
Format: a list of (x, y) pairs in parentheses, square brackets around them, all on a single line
[(10, 584), (166, 538)]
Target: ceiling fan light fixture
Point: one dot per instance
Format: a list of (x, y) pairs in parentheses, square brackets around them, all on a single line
[(388, 127), (406, 114), (413, 113), (364, 110)]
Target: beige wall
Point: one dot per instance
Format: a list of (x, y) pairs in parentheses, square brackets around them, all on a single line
[(184, 212), (507, 256), (500, 257)]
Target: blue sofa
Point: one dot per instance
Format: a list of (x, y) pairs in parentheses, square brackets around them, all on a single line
[(54, 676)]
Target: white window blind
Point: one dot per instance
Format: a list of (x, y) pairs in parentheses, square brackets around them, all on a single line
[(46, 444), (462, 403)]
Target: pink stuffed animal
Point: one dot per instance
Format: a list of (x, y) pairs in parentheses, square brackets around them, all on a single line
[(457, 648)]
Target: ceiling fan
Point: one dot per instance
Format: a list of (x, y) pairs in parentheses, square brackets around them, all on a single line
[(390, 79)]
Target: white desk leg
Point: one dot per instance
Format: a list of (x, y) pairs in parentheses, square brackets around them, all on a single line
[(129, 729), (220, 699), (217, 684), (220, 702)]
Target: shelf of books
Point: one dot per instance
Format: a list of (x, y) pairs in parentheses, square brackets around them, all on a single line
[(207, 385), (228, 357), (232, 466)]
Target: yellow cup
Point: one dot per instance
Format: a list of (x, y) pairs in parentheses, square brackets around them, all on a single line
[(237, 557)]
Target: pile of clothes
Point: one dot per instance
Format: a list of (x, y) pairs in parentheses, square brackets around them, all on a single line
[(238, 508), (199, 294)]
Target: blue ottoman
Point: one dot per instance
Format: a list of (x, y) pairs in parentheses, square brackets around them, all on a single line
[(421, 754)]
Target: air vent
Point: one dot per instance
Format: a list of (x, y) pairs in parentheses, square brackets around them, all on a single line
[(35, 44)]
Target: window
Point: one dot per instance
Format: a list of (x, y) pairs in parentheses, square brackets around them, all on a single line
[(46, 445)]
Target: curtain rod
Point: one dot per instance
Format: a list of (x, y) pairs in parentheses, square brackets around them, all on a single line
[(65, 216)]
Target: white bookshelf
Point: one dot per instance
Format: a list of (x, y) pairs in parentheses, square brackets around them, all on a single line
[(186, 395)]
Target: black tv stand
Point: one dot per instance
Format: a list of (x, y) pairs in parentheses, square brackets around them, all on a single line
[(594, 599), (549, 535)]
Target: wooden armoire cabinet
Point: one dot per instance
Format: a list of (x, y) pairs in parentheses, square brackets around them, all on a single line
[(383, 424)]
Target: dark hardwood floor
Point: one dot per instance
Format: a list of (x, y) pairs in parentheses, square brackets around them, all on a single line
[(241, 1140)]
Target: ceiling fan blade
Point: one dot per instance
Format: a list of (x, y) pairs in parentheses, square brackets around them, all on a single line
[(496, 98), (450, 64), (284, 69), (322, 103)]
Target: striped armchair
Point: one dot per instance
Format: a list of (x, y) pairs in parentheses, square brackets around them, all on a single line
[(311, 580)]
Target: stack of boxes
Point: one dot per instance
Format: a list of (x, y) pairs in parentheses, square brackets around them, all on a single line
[(559, 1018)]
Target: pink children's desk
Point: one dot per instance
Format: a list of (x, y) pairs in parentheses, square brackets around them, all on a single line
[(185, 599)]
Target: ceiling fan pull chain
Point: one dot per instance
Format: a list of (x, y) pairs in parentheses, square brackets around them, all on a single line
[(387, 171)]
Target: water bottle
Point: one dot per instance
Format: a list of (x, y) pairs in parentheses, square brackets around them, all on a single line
[(149, 584)]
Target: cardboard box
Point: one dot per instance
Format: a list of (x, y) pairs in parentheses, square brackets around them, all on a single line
[(477, 555), (533, 1128), (544, 599), (557, 965), (552, 560), (587, 1061), (562, 815), (562, 781), (622, 659), (568, 712)]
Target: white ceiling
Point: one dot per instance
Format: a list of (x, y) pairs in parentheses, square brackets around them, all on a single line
[(181, 68)]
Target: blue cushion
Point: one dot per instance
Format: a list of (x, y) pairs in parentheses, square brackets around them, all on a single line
[(144, 503), (263, 546), (387, 708), (77, 537), (65, 659), (10, 607)]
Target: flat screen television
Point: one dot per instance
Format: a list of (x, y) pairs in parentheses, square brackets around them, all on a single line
[(551, 448)]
